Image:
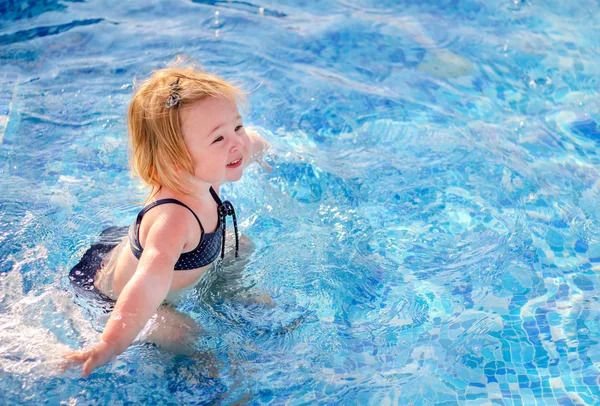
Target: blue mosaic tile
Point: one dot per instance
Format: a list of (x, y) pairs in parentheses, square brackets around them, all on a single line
[(581, 246), (584, 283), (587, 128)]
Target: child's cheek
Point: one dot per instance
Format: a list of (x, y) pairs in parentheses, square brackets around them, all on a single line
[(247, 143)]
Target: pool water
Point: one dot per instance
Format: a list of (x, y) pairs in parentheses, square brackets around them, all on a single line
[(429, 233)]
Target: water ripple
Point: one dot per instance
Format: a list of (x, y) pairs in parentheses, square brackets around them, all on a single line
[(430, 226), (39, 32), (243, 6), (52, 120)]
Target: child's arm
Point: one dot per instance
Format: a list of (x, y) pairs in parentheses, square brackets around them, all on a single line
[(142, 295)]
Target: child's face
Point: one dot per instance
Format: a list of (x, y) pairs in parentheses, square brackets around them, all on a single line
[(216, 139)]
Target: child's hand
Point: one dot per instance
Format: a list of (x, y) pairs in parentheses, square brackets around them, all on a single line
[(266, 166), (257, 147), (94, 357)]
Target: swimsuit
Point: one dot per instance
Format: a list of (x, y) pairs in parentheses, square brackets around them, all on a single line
[(210, 245), (83, 274)]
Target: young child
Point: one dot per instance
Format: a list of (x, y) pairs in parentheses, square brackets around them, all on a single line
[(187, 138)]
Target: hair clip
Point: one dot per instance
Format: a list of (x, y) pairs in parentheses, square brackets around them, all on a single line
[(174, 97)]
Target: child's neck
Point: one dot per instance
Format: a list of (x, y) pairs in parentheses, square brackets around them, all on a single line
[(200, 193)]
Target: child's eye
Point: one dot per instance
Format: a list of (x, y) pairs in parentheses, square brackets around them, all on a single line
[(218, 139), (239, 127)]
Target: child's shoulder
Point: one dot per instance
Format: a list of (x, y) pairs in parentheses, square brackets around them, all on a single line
[(169, 221)]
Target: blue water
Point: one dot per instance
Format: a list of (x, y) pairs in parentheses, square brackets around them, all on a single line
[(429, 233)]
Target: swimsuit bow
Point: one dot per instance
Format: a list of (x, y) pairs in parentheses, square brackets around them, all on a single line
[(226, 209)]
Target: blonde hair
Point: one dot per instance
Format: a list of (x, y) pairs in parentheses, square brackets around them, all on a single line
[(158, 153)]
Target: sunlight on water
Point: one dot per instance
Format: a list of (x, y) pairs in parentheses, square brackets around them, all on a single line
[(37, 327), (429, 233)]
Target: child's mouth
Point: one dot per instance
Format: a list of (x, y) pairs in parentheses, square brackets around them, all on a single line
[(235, 164)]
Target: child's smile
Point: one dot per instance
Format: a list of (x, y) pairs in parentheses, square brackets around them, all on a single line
[(235, 164)]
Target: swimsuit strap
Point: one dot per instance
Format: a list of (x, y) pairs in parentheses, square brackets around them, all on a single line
[(152, 205), (225, 209), (215, 196)]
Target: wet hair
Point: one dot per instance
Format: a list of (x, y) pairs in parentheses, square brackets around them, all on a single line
[(158, 153)]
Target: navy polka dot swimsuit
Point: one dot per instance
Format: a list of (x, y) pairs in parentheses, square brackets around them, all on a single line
[(210, 245)]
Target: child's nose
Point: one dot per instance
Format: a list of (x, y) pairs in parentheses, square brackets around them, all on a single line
[(236, 143)]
